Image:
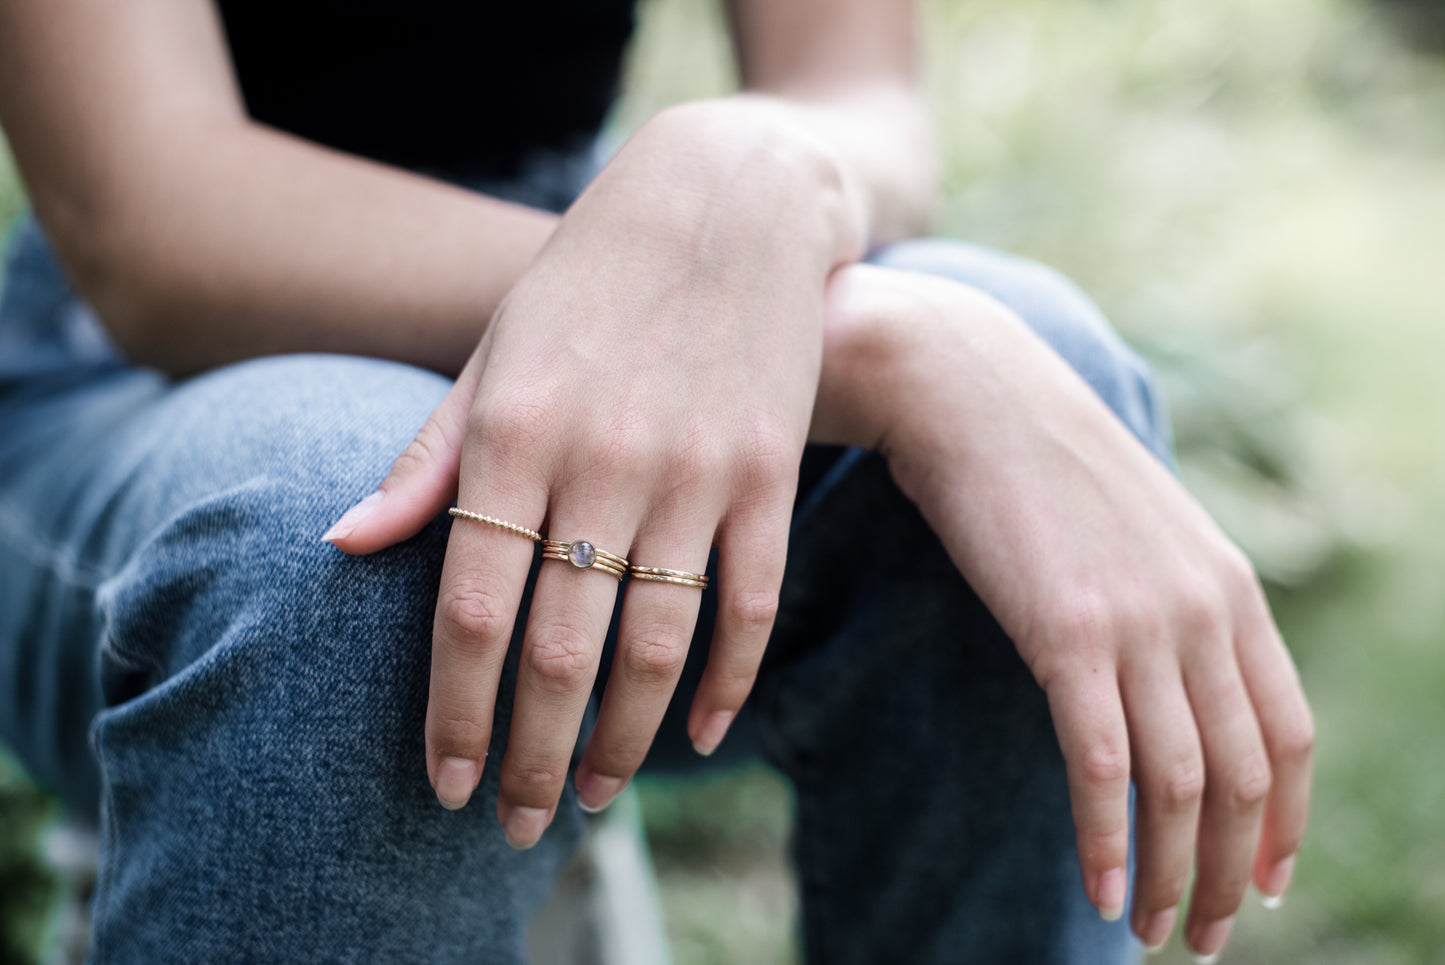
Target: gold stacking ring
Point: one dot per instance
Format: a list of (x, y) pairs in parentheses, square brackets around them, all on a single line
[(584, 555), (659, 575), (532, 535)]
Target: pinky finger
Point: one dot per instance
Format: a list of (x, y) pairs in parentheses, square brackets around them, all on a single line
[(1089, 719), (751, 557)]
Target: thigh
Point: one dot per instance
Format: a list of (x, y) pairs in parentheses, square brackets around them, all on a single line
[(255, 698)]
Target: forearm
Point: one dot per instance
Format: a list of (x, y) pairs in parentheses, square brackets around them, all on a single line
[(238, 241)]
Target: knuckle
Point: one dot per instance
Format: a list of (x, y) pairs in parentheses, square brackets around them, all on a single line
[(657, 654), (1199, 612), (703, 454), (1169, 888), (766, 457), (534, 784), (1238, 573), (512, 427), (1107, 845), (1105, 763), (1181, 788), (1227, 892), (477, 615), (1247, 788), (1081, 619), (623, 446), (753, 611), (1297, 743), (422, 454), (452, 735), (560, 657)]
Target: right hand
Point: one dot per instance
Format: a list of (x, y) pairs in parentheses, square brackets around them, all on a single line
[(1145, 626)]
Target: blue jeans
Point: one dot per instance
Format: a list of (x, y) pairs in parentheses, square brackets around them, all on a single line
[(244, 704)]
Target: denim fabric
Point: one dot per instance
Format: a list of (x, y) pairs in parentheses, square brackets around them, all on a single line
[(245, 704)]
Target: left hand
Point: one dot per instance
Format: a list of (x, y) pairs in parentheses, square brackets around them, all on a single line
[(647, 386)]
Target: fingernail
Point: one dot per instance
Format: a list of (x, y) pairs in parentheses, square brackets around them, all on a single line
[(711, 734), (1276, 882), (455, 780), (524, 826), (1211, 941), (595, 792), (1112, 885), (1157, 930), (342, 527)]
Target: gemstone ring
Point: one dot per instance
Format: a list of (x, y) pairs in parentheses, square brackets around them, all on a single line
[(584, 555)]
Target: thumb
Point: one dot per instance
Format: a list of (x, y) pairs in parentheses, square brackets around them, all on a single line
[(422, 481)]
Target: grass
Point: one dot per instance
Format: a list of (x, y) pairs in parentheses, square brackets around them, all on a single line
[(1256, 193)]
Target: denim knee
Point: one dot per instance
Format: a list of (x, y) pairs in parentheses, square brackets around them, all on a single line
[(1055, 308), (262, 744)]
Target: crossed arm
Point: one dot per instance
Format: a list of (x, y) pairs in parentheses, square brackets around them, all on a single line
[(202, 237)]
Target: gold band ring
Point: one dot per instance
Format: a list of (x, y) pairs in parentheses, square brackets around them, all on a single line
[(584, 555), (532, 535), (659, 575)]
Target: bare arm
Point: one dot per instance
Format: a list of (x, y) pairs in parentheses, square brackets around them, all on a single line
[(848, 69), (202, 237)]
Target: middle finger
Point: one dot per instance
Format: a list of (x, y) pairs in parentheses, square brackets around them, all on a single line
[(571, 609)]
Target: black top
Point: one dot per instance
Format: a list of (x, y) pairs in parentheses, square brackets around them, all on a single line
[(451, 87)]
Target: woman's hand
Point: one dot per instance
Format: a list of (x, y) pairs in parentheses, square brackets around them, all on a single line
[(647, 387), (1145, 626)]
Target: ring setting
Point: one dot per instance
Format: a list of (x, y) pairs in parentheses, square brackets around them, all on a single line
[(585, 556)]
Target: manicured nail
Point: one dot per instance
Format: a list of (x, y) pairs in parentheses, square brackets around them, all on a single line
[(456, 778), (524, 826), (1112, 885), (1157, 930), (1272, 894), (595, 792), (1211, 941), (342, 527), (711, 734)]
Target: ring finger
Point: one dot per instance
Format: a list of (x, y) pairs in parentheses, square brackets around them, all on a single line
[(658, 620)]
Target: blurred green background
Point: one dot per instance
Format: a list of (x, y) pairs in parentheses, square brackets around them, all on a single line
[(1255, 192)]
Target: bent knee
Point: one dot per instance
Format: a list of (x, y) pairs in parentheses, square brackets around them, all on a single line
[(236, 596), (1060, 313)]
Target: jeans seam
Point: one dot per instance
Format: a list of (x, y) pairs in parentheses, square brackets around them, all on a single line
[(46, 556)]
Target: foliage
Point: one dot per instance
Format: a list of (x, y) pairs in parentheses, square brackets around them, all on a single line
[(1255, 194), (28, 890)]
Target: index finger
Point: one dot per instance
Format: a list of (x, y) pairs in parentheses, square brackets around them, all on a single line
[(482, 581), (1089, 719)]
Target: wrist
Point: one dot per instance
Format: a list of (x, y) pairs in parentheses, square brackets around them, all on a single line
[(911, 362), (743, 173), (866, 343)]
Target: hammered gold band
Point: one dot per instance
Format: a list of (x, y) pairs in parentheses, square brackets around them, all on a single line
[(584, 555), (659, 575), (531, 534)]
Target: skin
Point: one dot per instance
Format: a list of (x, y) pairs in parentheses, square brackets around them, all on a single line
[(202, 237)]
